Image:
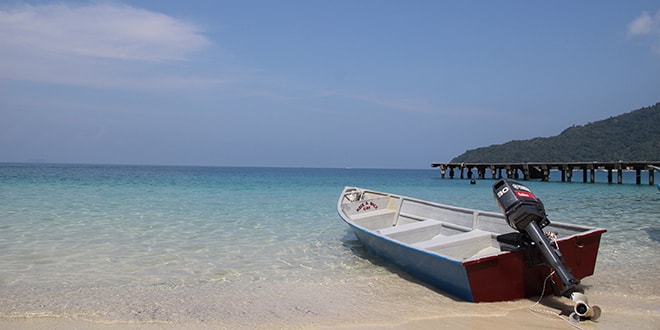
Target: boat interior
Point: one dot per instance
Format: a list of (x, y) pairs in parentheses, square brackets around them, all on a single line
[(454, 232)]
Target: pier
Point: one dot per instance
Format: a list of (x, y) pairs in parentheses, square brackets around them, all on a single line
[(541, 170)]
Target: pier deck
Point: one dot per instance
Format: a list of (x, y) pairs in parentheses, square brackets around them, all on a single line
[(541, 170)]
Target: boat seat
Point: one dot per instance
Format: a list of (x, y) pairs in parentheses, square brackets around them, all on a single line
[(417, 231), (409, 226), (373, 214), (439, 241), (375, 220)]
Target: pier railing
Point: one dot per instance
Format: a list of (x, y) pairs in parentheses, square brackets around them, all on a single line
[(541, 170)]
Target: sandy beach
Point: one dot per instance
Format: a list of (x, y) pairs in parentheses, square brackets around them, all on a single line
[(361, 305), (494, 316)]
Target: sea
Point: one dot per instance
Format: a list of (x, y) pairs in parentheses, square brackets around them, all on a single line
[(251, 246)]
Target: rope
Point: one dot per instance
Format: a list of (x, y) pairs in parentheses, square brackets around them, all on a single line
[(533, 309)]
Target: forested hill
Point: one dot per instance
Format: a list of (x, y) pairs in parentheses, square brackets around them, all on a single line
[(633, 136)]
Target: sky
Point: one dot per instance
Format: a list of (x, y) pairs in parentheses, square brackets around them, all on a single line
[(362, 84)]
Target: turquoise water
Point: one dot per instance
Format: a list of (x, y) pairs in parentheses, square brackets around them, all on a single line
[(87, 239)]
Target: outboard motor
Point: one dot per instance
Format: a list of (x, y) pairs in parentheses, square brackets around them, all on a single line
[(526, 214)]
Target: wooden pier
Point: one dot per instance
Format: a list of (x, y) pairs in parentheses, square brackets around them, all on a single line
[(541, 170)]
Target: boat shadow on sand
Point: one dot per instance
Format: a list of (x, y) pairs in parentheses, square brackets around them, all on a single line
[(557, 303)]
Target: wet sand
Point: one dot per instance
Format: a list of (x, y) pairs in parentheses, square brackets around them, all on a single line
[(509, 316), (388, 302)]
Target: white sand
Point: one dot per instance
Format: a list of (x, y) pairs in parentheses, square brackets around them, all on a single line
[(378, 303)]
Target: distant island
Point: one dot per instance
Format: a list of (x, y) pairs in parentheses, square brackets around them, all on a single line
[(632, 136)]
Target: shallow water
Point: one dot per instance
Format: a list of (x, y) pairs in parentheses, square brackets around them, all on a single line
[(149, 243)]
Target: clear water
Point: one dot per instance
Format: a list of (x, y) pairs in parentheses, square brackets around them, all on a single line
[(101, 240)]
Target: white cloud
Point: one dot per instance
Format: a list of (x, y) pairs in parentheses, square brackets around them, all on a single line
[(647, 25), (104, 31), (644, 24), (94, 45)]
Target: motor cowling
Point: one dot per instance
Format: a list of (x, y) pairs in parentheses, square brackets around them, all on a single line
[(519, 205), (526, 214)]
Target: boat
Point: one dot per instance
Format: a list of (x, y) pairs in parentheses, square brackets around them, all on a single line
[(474, 255), (657, 169)]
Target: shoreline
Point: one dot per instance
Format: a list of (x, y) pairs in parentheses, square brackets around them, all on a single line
[(402, 305), (513, 318)]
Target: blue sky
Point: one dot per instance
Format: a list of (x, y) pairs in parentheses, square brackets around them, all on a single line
[(376, 84)]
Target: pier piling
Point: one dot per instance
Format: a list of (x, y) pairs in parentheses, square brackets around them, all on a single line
[(541, 170)]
